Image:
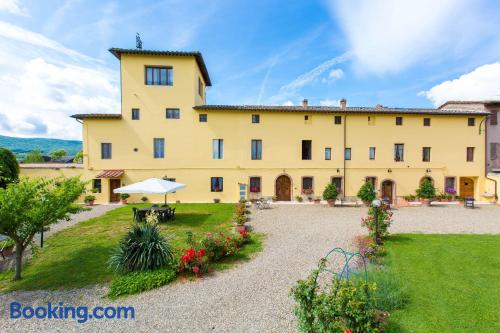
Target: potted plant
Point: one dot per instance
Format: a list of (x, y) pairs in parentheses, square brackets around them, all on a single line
[(309, 194), (330, 194), (124, 197), (317, 200), (451, 192), (367, 193), (298, 198), (144, 199), (7, 247), (216, 200), (274, 198), (89, 200), (426, 192)]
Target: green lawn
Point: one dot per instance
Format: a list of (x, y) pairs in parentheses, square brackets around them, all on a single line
[(453, 282), (77, 256)]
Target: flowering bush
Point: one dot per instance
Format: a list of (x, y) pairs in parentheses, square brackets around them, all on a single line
[(450, 190), (368, 248), (378, 232), (219, 245), (194, 261)]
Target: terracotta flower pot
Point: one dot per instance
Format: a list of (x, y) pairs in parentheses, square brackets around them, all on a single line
[(317, 201), (89, 203), (331, 202), (124, 201)]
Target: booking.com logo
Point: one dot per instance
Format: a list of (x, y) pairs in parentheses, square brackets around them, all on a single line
[(80, 313)]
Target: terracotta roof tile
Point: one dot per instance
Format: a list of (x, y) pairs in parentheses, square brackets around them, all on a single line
[(110, 174)]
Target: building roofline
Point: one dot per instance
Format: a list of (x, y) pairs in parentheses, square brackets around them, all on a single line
[(51, 166), (486, 102), (97, 116), (336, 109), (117, 52)]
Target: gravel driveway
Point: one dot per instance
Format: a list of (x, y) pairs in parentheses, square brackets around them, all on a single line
[(253, 296)]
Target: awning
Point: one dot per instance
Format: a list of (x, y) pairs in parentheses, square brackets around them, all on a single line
[(110, 174)]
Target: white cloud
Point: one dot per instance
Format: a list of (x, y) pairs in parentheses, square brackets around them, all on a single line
[(482, 83), (42, 83), (13, 7), (288, 103), (336, 74), (387, 36), (329, 102)]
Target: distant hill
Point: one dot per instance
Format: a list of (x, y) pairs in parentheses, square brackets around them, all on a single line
[(21, 146)]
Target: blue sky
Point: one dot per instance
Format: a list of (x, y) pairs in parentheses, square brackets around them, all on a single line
[(54, 60)]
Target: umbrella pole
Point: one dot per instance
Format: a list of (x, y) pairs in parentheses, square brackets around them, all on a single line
[(165, 198)]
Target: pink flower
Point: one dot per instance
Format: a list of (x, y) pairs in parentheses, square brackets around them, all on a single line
[(196, 269)]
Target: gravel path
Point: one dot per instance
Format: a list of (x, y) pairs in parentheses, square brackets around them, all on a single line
[(253, 296)]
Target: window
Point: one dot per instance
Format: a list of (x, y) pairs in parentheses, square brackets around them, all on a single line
[(449, 184), (256, 149), (470, 154), (494, 118), (307, 185), (255, 119), (371, 120), (255, 184), (427, 121), (106, 151), (97, 185), (372, 180), (328, 153), (218, 149), (493, 150), (338, 120), (200, 87), (426, 154), (399, 121), (337, 181), (159, 147), (173, 113), (306, 149), (203, 118), (135, 114), (307, 119), (471, 121), (347, 154), (371, 153), (159, 76), (216, 184), (399, 151)]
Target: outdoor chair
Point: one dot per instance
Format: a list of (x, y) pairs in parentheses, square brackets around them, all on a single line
[(469, 202), (263, 204), (172, 213)]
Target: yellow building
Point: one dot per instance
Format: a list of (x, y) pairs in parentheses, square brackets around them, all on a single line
[(225, 152)]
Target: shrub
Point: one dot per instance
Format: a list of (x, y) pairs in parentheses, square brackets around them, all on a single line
[(219, 245), (346, 305), (426, 190), (384, 217), (330, 192), (410, 197), (89, 198), (216, 200), (9, 168), (391, 293), (194, 261), (142, 248), (144, 199), (368, 248), (124, 196), (6, 243), (136, 282), (367, 192), (298, 198), (34, 156)]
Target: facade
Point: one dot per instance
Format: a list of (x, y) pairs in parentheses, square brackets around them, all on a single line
[(225, 152)]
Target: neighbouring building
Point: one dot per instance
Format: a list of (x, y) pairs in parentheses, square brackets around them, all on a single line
[(227, 152)]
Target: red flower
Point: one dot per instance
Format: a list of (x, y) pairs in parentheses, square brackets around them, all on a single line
[(201, 253), (347, 331), (243, 232), (196, 269)]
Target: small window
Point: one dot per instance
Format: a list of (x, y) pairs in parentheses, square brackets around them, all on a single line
[(399, 121), (493, 150), (449, 185), (347, 154), (173, 113), (200, 87), (372, 180), (471, 121), (371, 120), (159, 76), (337, 181), (306, 149), (328, 154), (470, 154), (255, 184), (307, 119), (399, 151), (256, 149), (255, 119), (203, 118), (307, 185), (135, 114), (494, 117), (427, 121), (338, 120), (216, 184), (371, 153), (217, 149), (159, 147), (426, 154), (97, 185), (106, 151)]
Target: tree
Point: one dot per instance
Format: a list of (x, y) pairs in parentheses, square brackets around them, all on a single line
[(32, 204), (426, 190), (330, 192), (9, 168), (78, 157), (57, 154), (34, 156), (367, 192)]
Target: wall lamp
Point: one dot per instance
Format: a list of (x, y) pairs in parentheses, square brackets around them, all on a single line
[(428, 171), (389, 170)]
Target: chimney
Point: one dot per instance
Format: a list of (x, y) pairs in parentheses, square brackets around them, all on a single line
[(305, 102), (343, 103)]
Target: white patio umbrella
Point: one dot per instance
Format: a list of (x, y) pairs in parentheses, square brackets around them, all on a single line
[(151, 186)]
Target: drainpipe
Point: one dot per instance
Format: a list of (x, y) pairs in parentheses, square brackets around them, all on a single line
[(486, 155), (343, 104)]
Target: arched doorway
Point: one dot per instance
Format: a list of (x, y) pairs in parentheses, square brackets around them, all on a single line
[(283, 188), (387, 190), (466, 187)]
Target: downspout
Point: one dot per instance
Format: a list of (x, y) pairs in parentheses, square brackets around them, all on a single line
[(345, 146), (486, 156)]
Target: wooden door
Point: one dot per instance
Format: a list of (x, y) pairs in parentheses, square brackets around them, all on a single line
[(283, 188), (114, 183), (466, 187), (387, 190)]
